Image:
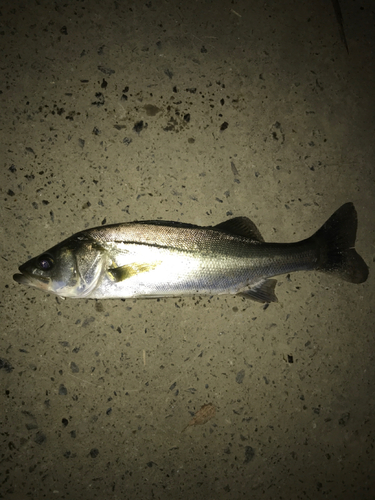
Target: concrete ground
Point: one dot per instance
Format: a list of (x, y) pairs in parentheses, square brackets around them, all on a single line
[(196, 112)]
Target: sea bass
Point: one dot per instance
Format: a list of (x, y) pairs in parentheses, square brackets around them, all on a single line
[(172, 259)]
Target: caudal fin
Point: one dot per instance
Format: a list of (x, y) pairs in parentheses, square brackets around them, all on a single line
[(335, 241)]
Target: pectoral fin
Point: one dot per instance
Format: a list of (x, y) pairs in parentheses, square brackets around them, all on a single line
[(263, 291), (124, 272)]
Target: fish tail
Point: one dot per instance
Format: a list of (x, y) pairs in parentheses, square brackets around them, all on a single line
[(335, 242)]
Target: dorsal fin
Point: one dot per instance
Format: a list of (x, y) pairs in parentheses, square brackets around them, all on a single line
[(241, 226)]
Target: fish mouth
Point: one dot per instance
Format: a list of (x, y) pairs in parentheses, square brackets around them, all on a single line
[(30, 280), (21, 279)]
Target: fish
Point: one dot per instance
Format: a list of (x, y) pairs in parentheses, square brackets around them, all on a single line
[(153, 259)]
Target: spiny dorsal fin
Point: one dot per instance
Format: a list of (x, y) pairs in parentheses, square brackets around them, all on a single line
[(241, 226)]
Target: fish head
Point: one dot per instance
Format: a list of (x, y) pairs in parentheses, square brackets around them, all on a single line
[(70, 269)]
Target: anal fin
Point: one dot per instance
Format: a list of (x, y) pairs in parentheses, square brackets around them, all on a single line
[(263, 291)]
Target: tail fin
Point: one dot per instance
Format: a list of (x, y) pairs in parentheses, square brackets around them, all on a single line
[(335, 241)]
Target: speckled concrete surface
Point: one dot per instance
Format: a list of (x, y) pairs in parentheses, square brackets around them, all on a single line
[(193, 112)]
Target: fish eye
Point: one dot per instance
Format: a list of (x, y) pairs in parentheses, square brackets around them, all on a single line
[(45, 262)]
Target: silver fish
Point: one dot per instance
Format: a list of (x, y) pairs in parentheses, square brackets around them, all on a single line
[(171, 259)]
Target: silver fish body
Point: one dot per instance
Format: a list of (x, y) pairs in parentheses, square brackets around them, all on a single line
[(161, 259)]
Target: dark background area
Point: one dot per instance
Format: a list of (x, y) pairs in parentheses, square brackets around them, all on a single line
[(197, 112)]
